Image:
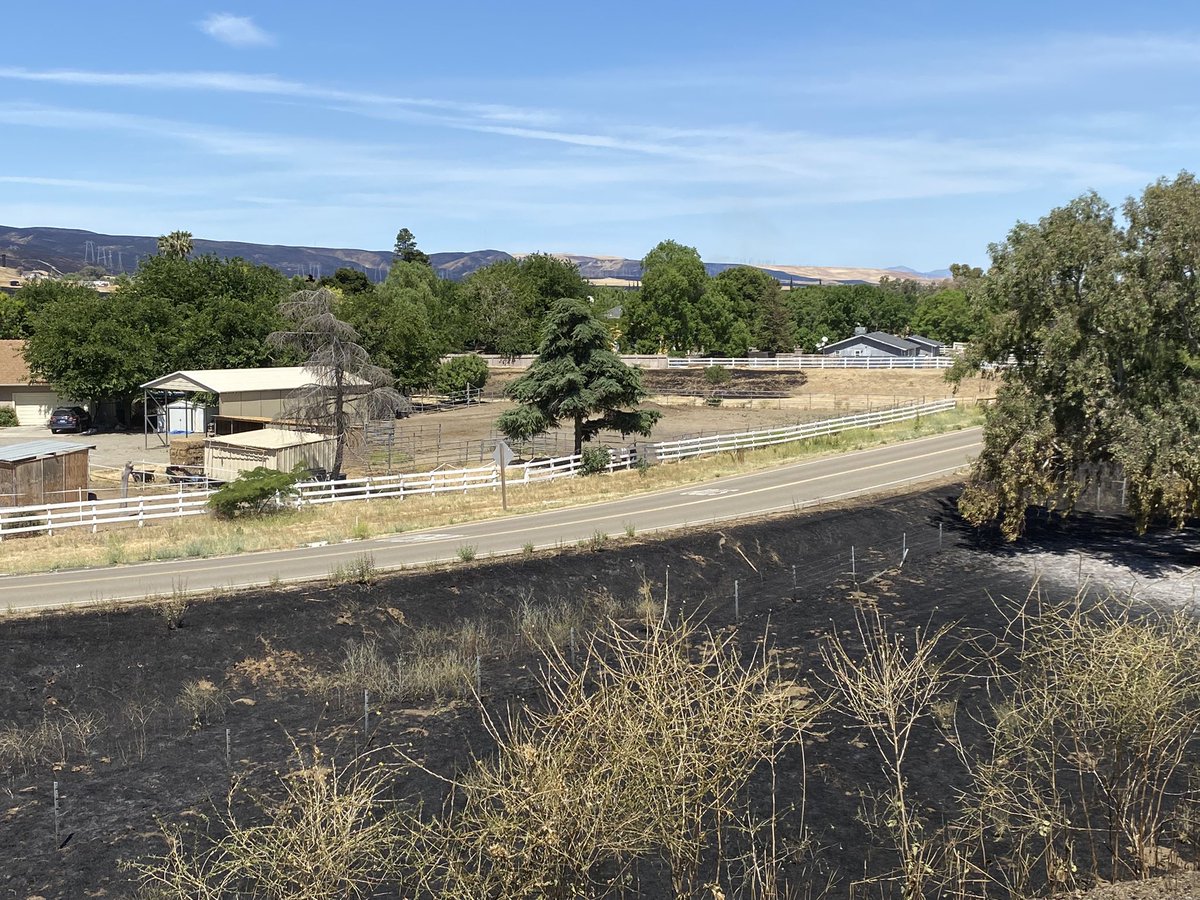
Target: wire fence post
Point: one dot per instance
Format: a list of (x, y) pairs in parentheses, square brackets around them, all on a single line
[(366, 712), (853, 566), (939, 535), (793, 579), (228, 750), (737, 609), (572, 646), (56, 814), (478, 675), (666, 592)]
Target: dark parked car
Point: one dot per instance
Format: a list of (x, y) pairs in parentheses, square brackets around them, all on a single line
[(70, 418)]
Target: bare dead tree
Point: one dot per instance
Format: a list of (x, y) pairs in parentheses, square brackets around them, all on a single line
[(346, 390)]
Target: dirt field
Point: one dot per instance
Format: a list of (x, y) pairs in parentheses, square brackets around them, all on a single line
[(467, 434), (146, 760)]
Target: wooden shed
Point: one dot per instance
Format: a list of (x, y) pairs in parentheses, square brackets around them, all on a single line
[(43, 472), (227, 456)]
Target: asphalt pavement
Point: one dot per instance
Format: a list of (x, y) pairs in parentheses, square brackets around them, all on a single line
[(792, 487)]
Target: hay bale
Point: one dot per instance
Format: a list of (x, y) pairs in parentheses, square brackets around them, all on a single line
[(187, 451)]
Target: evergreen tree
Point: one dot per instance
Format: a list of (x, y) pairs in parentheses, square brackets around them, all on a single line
[(576, 376)]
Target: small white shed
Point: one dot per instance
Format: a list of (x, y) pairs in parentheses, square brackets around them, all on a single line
[(188, 417), (227, 456)]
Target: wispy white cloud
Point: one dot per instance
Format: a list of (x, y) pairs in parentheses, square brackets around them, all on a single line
[(272, 86), (236, 31)]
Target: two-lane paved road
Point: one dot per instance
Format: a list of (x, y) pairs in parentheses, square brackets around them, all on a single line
[(776, 490)]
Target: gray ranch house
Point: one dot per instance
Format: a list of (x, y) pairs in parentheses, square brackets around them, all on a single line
[(882, 344)]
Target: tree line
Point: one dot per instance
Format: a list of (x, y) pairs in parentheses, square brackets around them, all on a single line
[(180, 311)]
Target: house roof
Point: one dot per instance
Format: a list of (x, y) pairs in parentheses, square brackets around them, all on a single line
[(921, 339), (270, 439), (13, 368), (221, 381), (28, 450), (877, 337)]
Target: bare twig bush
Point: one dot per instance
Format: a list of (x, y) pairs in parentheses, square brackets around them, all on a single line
[(888, 684), (643, 752), (327, 832), (202, 701)]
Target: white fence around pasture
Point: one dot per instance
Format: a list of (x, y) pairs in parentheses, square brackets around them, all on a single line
[(811, 361), (193, 501), (673, 451)]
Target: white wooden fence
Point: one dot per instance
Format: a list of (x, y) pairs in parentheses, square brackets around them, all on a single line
[(673, 451), (193, 501), (811, 361)]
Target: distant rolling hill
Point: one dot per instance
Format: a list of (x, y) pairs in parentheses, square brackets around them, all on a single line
[(69, 250)]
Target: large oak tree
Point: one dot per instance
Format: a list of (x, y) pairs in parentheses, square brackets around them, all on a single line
[(1102, 322)]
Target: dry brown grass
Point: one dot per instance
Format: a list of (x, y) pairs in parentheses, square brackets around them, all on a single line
[(51, 742), (334, 522), (643, 753), (328, 832)]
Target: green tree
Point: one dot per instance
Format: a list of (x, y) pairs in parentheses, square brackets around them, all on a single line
[(510, 298), (14, 317), (758, 302), (673, 283), (176, 245), (225, 308), (33, 295), (576, 376), (405, 249), (462, 372), (719, 329), (393, 321), (1104, 326), (832, 312), (348, 281), (101, 348), (946, 316)]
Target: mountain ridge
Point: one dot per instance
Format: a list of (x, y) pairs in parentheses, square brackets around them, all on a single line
[(65, 250)]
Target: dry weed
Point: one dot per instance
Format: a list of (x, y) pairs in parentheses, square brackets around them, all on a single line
[(329, 832)]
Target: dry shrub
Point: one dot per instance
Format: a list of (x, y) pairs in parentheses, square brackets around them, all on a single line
[(888, 684), (202, 701), (51, 742), (643, 752), (172, 609), (1091, 757), (327, 832)]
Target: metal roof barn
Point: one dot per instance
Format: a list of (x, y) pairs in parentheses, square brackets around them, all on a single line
[(43, 472), (246, 398)]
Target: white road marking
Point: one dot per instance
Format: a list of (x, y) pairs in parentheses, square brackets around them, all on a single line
[(421, 538)]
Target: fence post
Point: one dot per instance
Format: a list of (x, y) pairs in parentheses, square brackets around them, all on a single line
[(737, 609), (666, 591), (56, 815), (853, 565), (141, 512)]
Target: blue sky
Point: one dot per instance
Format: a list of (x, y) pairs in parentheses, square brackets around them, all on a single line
[(840, 133)]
